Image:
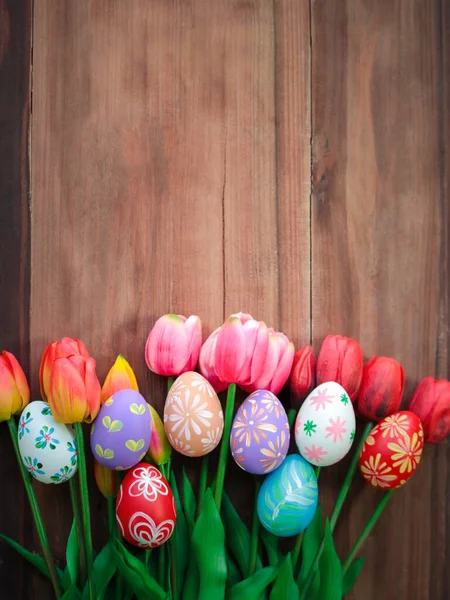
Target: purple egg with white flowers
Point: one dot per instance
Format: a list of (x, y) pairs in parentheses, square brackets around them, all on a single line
[(120, 435), (260, 435)]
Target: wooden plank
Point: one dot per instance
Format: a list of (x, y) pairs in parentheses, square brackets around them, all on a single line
[(15, 45), (380, 251)]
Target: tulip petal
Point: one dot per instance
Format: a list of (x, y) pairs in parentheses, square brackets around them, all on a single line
[(21, 382), (67, 396), (120, 377), (92, 390), (167, 347), (230, 351), (206, 362), (159, 450), (193, 329), (283, 369)]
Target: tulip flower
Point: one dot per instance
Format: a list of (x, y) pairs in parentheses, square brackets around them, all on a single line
[(431, 403), (106, 480), (381, 390), (160, 450), (206, 362), (120, 377), (276, 367), (14, 390), (74, 394), (62, 349), (341, 360), (303, 375), (173, 345)]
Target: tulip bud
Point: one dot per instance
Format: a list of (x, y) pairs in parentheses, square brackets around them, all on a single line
[(106, 480), (431, 403), (206, 362), (173, 345), (63, 349), (160, 450), (120, 377), (14, 390), (303, 376), (381, 390), (230, 352), (74, 394), (341, 360)]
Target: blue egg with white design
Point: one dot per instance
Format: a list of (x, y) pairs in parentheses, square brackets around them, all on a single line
[(288, 497)]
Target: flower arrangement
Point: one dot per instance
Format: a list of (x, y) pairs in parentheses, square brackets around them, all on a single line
[(168, 541)]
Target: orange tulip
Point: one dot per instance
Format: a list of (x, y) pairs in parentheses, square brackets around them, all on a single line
[(74, 394), (106, 480), (62, 349), (120, 377), (14, 390)]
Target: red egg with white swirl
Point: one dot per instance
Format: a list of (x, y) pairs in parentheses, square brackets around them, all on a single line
[(392, 451), (145, 507)]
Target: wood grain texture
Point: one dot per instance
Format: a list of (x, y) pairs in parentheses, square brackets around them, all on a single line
[(15, 44), (380, 248)]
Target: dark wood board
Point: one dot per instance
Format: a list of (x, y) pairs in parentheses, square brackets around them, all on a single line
[(288, 158)]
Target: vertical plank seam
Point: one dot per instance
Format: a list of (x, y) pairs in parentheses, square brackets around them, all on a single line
[(223, 219), (277, 162), (310, 175)]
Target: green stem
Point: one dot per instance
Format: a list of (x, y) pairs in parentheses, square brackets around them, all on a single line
[(318, 469), (296, 550), (111, 516), (162, 566), (48, 556), (170, 382), (82, 474), (349, 477), (338, 506), (224, 445), (292, 413), (367, 529), (202, 483), (75, 499), (255, 533)]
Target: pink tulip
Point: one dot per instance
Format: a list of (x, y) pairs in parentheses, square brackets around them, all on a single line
[(277, 365), (173, 345), (206, 362)]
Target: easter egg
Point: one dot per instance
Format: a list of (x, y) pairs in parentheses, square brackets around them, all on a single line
[(325, 425), (288, 497), (145, 507), (392, 450), (48, 448), (120, 435), (260, 435), (193, 417)]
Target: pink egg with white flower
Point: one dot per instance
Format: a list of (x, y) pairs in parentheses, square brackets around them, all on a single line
[(325, 425)]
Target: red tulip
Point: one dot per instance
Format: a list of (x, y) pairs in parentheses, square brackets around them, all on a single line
[(62, 349), (14, 390), (431, 403), (303, 375), (206, 362), (74, 394), (173, 345), (341, 360), (381, 390)]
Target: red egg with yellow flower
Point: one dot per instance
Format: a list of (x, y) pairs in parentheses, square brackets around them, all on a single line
[(392, 451)]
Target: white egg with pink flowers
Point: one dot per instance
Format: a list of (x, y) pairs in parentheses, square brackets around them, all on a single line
[(325, 425)]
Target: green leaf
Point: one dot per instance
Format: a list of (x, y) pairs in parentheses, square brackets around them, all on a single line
[(330, 569), (35, 559), (192, 580), (208, 541), (73, 554), (252, 587), (189, 502), (238, 536), (271, 543), (179, 542), (105, 566), (136, 576), (352, 575), (233, 573), (116, 426), (312, 540), (285, 587), (106, 421), (72, 593)]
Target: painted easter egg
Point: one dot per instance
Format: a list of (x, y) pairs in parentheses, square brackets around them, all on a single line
[(392, 450), (48, 448), (120, 435), (260, 435), (145, 507), (288, 497), (193, 417), (325, 425)]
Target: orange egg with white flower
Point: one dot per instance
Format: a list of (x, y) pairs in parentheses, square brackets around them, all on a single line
[(392, 451)]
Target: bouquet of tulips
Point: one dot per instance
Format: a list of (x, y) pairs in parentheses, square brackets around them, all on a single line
[(168, 539)]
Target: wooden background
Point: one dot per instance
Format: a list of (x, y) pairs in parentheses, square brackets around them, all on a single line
[(288, 158)]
